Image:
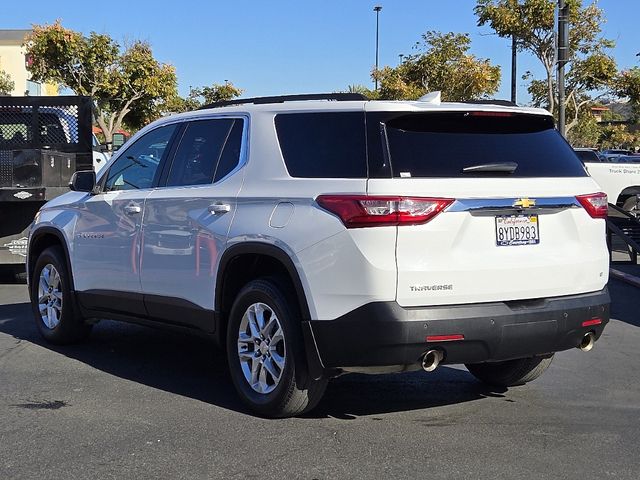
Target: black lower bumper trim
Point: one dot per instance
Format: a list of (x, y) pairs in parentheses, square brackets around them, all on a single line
[(384, 333)]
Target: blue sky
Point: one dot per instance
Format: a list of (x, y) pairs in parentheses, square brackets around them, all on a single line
[(287, 46)]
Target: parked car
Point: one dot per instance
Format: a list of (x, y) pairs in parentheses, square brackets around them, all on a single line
[(314, 236), (587, 155)]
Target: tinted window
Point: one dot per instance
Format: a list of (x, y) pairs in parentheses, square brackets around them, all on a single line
[(136, 167), (203, 145), (443, 144), (588, 156), (328, 145), (231, 153)]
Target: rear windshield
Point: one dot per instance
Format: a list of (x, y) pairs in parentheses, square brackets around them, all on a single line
[(445, 144)]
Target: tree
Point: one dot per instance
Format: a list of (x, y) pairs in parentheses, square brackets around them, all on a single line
[(617, 136), (532, 23), (200, 96), (445, 65), (119, 81), (627, 84), (6, 84)]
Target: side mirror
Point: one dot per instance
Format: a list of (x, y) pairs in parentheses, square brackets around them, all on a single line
[(117, 140), (83, 181)]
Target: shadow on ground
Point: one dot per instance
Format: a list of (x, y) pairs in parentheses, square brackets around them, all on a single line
[(625, 302), (193, 367)]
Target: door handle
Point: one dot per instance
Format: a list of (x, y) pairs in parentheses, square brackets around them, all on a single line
[(132, 209), (219, 208)]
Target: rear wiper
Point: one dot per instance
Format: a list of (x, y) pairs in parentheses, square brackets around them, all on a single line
[(506, 167)]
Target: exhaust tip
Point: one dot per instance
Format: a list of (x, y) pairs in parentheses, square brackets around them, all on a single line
[(431, 360), (587, 342)]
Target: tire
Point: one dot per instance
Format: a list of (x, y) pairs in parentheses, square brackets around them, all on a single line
[(58, 323), (511, 372), (631, 205), (276, 345)]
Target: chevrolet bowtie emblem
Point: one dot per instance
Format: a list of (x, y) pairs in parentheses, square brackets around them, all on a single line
[(524, 203)]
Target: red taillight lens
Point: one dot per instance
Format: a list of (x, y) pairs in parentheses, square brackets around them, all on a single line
[(595, 204), (372, 211)]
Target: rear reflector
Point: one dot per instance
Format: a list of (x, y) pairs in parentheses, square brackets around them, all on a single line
[(444, 338), (594, 321), (375, 211), (595, 204)]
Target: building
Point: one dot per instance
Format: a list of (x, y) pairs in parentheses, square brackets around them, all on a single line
[(13, 62)]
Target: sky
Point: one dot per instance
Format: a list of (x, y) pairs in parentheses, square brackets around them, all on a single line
[(286, 46)]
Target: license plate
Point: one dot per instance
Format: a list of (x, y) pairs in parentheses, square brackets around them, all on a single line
[(512, 230)]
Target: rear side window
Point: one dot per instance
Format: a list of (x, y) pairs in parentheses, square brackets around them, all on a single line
[(206, 145), (323, 145), (445, 144)]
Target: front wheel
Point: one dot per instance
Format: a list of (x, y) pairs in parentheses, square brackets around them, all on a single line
[(52, 302), (511, 372), (265, 351)]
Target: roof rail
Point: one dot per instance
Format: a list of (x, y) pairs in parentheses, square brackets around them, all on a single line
[(504, 103), (338, 97)]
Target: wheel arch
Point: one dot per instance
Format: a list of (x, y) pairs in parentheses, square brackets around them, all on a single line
[(256, 251), (42, 239), (626, 193)]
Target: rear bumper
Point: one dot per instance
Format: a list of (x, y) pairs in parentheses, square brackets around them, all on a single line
[(385, 334)]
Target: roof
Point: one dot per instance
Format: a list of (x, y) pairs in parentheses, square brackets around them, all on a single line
[(13, 37)]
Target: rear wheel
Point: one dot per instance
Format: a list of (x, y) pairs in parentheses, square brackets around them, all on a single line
[(511, 372), (52, 302), (265, 352)]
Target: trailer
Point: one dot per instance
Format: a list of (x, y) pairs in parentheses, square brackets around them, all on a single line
[(43, 141)]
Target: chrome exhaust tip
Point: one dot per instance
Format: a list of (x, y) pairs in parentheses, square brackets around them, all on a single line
[(431, 360), (587, 342)]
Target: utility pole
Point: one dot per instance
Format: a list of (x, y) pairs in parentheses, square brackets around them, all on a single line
[(514, 68), (377, 9), (563, 56)]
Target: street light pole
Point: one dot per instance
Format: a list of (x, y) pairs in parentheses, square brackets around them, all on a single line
[(377, 9), (563, 56), (514, 68)]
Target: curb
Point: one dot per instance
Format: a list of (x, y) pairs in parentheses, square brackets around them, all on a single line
[(625, 277)]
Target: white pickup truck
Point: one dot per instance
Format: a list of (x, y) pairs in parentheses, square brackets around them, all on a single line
[(620, 181)]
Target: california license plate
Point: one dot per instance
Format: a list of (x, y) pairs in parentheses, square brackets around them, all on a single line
[(512, 230)]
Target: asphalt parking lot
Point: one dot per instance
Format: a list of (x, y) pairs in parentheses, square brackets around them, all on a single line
[(134, 402)]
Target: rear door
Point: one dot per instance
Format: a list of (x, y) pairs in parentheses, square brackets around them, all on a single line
[(512, 228), (187, 221)]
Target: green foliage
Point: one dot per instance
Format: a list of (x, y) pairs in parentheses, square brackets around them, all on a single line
[(586, 133), (617, 136), (589, 68), (627, 84), (200, 96), (443, 64), (6, 84), (120, 81)]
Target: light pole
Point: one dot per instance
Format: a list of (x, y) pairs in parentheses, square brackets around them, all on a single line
[(377, 9), (563, 56)]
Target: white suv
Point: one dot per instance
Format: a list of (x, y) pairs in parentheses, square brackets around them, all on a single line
[(318, 235)]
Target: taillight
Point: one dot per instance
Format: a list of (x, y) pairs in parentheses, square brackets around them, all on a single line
[(374, 211), (595, 204)]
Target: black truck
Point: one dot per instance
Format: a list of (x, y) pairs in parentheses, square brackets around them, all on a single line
[(43, 141)]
